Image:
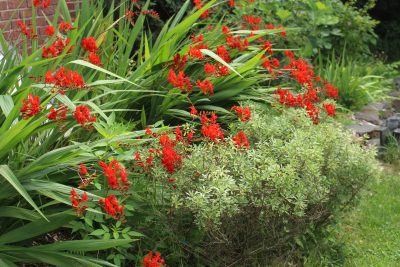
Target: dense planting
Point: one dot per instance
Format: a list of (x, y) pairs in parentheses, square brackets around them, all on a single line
[(119, 147)]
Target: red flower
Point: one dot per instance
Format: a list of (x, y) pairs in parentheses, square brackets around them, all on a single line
[(210, 69), (117, 177), (89, 44), (94, 59), (59, 114), (30, 106), (148, 131), (210, 128), (195, 52), (151, 260), (330, 109), (267, 46), (65, 79), (76, 202), (237, 42), (231, 3), (193, 111), (56, 48), (65, 27), (83, 116), (252, 20), (205, 86), (244, 113), (289, 54), (112, 207), (178, 134), (169, 157), (197, 39), (50, 30), (199, 5), (241, 140), (190, 136), (331, 90), (41, 3), (301, 71), (28, 32), (180, 81), (179, 63), (223, 70), (226, 30), (223, 53), (82, 169)]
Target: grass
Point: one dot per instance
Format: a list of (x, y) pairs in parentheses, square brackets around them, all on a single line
[(371, 233)]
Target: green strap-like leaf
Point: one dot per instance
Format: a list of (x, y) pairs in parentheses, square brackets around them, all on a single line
[(7, 173)]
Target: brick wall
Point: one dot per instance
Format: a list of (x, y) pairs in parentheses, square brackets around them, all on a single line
[(13, 10)]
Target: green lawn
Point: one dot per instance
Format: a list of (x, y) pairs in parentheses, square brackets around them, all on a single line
[(371, 233)]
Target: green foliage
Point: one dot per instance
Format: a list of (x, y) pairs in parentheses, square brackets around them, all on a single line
[(250, 206), (359, 83)]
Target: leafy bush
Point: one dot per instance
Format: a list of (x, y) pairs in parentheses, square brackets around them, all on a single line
[(249, 206)]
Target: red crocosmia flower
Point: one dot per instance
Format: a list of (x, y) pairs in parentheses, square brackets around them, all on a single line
[(193, 111), (151, 260), (94, 59), (195, 52), (210, 27), (30, 106), (225, 29), (65, 27), (223, 53), (331, 90), (244, 113), (65, 79), (77, 202), (301, 71), (179, 62), (289, 54), (112, 207), (267, 46), (232, 3), (169, 157), (180, 81), (178, 134), (41, 3), (165, 141), (89, 44), (117, 177), (313, 112), (210, 69), (330, 109), (82, 169), (205, 86), (28, 32), (241, 140), (252, 20), (59, 114), (152, 13), (50, 30), (148, 131), (56, 48), (199, 5), (190, 136), (210, 128), (197, 39), (83, 116), (129, 14), (223, 70), (237, 42)]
